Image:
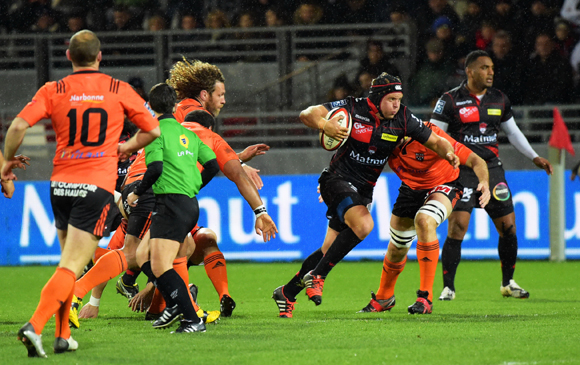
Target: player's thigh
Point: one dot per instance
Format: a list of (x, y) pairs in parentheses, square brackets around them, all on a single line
[(78, 249), (175, 215)]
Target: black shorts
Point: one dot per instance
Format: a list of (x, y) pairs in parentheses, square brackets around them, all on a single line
[(83, 206), (410, 201), (174, 216), (500, 204), (339, 196), (140, 215)]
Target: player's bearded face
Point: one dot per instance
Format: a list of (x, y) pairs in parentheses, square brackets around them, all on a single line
[(482, 72), (390, 104), (216, 99)]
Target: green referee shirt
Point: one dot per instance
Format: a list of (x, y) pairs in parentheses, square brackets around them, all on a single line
[(179, 149)]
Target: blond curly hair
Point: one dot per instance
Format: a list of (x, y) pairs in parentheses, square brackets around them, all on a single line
[(189, 78)]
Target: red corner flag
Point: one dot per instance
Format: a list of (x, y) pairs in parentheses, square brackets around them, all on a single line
[(560, 137)]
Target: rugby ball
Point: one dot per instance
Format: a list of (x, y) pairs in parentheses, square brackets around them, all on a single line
[(329, 143)]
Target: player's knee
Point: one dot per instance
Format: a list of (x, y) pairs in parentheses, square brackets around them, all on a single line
[(430, 215), (402, 239), (363, 228)]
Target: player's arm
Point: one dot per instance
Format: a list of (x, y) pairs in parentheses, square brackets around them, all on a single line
[(520, 142), (210, 169), (264, 224), (479, 167), (443, 148), (315, 117), (13, 140), (154, 158), (138, 141)]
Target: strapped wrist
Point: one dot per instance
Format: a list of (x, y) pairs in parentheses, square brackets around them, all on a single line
[(261, 210)]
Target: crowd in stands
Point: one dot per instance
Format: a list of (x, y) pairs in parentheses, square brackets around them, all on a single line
[(533, 43)]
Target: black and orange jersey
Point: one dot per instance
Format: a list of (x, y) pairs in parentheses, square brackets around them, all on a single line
[(421, 168), (185, 106), (87, 110), (137, 169)]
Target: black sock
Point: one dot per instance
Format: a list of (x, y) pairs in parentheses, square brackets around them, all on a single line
[(130, 278), (508, 252), (173, 287), (294, 286), (146, 268), (450, 258), (342, 245)]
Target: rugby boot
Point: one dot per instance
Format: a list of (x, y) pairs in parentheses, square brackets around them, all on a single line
[(514, 290), (73, 314), (378, 305), (31, 340), (168, 317), (285, 306), (227, 305), (128, 291), (314, 285), (187, 326), (447, 294), (62, 345), (422, 305)]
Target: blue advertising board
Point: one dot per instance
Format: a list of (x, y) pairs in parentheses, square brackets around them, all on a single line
[(28, 235)]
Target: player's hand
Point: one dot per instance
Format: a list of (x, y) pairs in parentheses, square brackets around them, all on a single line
[(89, 311), (142, 300), (20, 162), (254, 176), (452, 159), (332, 129), (132, 199), (483, 188), (122, 152), (252, 151), (8, 188), (266, 227), (320, 200), (575, 171), (6, 171), (543, 164)]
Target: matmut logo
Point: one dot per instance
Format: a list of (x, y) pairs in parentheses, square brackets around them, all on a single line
[(88, 98)]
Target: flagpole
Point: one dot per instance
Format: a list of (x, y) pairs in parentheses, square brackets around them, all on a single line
[(557, 205)]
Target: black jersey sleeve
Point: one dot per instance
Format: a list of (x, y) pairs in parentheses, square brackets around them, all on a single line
[(507, 111), (443, 110), (415, 127)]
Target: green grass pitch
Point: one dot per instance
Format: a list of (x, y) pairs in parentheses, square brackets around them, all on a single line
[(478, 327)]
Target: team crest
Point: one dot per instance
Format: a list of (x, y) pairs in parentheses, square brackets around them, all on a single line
[(482, 127), (372, 150), (184, 140), (419, 156)]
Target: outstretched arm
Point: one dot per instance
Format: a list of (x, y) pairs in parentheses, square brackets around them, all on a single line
[(252, 151), (520, 142), (443, 148), (14, 138)]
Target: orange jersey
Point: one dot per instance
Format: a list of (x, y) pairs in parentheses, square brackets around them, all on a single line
[(137, 169), (184, 107), (87, 109), (420, 167), (221, 148)]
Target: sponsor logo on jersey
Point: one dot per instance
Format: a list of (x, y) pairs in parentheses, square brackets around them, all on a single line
[(372, 150), (88, 98), (77, 155), (184, 141), (362, 118), (469, 114), (480, 139), (389, 137), (367, 160), (441, 188), (361, 132), (482, 127), (463, 102), (439, 107), (336, 104), (398, 87), (493, 111), (149, 109), (420, 156), (501, 192)]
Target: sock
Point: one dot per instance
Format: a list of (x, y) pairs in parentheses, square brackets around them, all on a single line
[(99, 252), (106, 268), (508, 253), (146, 269), (450, 258), (52, 297), (158, 303), (295, 285), (118, 240), (428, 257), (172, 286), (130, 276), (391, 271), (342, 245), (61, 318), (215, 268), (180, 267)]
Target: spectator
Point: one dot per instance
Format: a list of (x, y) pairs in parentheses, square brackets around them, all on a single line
[(364, 81), (376, 61), (471, 22), (351, 12), (508, 67), (258, 8), (538, 19), (565, 38), (427, 84), (273, 18), (246, 20), (504, 16), (217, 21), (156, 23), (188, 21), (340, 90), (426, 16), (548, 75), (442, 30), (46, 23), (74, 23), (123, 20), (24, 16), (484, 35), (308, 14)]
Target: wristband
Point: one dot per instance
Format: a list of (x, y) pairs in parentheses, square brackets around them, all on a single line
[(260, 210), (242, 162), (94, 301)]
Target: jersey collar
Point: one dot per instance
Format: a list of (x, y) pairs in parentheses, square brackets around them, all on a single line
[(86, 72)]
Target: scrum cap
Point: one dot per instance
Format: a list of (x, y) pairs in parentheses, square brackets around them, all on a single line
[(384, 84)]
